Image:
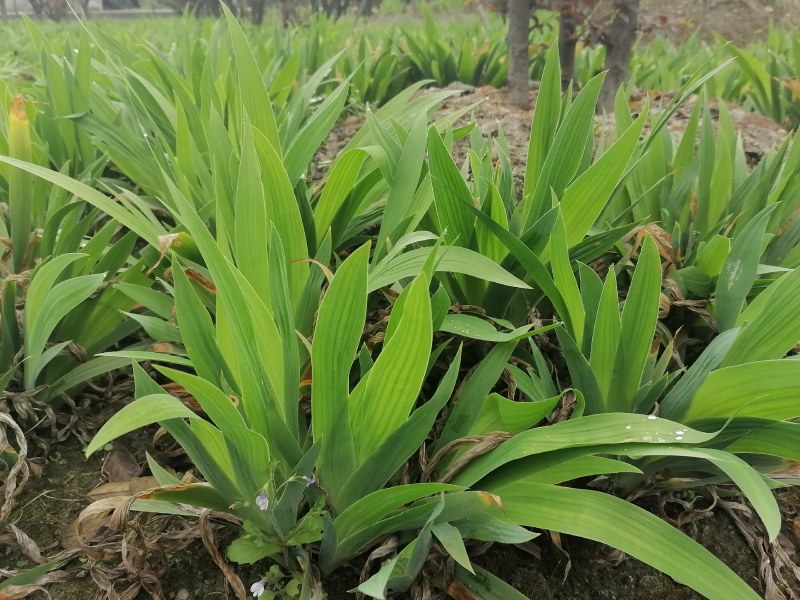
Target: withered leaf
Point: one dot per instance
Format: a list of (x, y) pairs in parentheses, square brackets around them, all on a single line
[(123, 488), (120, 465)]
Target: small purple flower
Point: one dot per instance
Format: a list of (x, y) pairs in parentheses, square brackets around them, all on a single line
[(308, 479), (257, 588), (262, 502)]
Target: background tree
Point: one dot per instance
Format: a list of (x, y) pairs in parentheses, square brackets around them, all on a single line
[(618, 39), (519, 14), (610, 22), (569, 18)]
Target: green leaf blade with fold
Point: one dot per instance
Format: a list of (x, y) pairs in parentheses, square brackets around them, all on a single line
[(545, 120), (638, 325), (63, 298), (144, 411), (308, 140), (592, 430), (566, 151), (252, 88), (131, 218), (339, 326), (739, 274), (20, 196), (564, 278), (774, 330), (765, 389), (450, 259), (606, 337), (597, 516), (395, 380), (283, 211), (585, 198), (385, 462), (197, 330), (450, 191)]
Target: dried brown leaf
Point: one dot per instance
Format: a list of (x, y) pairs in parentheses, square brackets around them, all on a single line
[(91, 520), (458, 591), (121, 465), (123, 488), (17, 475)]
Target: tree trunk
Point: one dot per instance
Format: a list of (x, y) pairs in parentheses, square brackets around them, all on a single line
[(618, 41), (569, 18), (257, 10), (519, 13), (368, 6)]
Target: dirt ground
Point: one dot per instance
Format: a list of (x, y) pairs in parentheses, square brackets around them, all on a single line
[(741, 21)]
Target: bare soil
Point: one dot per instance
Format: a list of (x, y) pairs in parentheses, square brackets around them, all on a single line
[(740, 21)]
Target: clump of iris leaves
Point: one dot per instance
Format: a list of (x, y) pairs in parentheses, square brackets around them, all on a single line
[(410, 349)]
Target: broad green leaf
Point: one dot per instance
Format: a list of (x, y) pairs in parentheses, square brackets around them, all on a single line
[(248, 450), (158, 329), (251, 228), (197, 330), (450, 259), (249, 549), (501, 414), (585, 198), (453, 543), (605, 339), (473, 327), (450, 191), (485, 527), (474, 392), (386, 461), (638, 325), (486, 586), (147, 410), (284, 213), (711, 259), (307, 141), (763, 436), (597, 516), (746, 478), (575, 317), (377, 505), (129, 216), (394, 382), (61, 299), (561, 466), (375, 586), (765, 389), (42, 281), (775, 329), (339, 326), (457, 506), (679, 399), (564, 156), (251, 89), (21, 207), (158, 302), (546, 115), (339, 185), (403, 186), (194, 494), (739, 274), (592, 430)]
